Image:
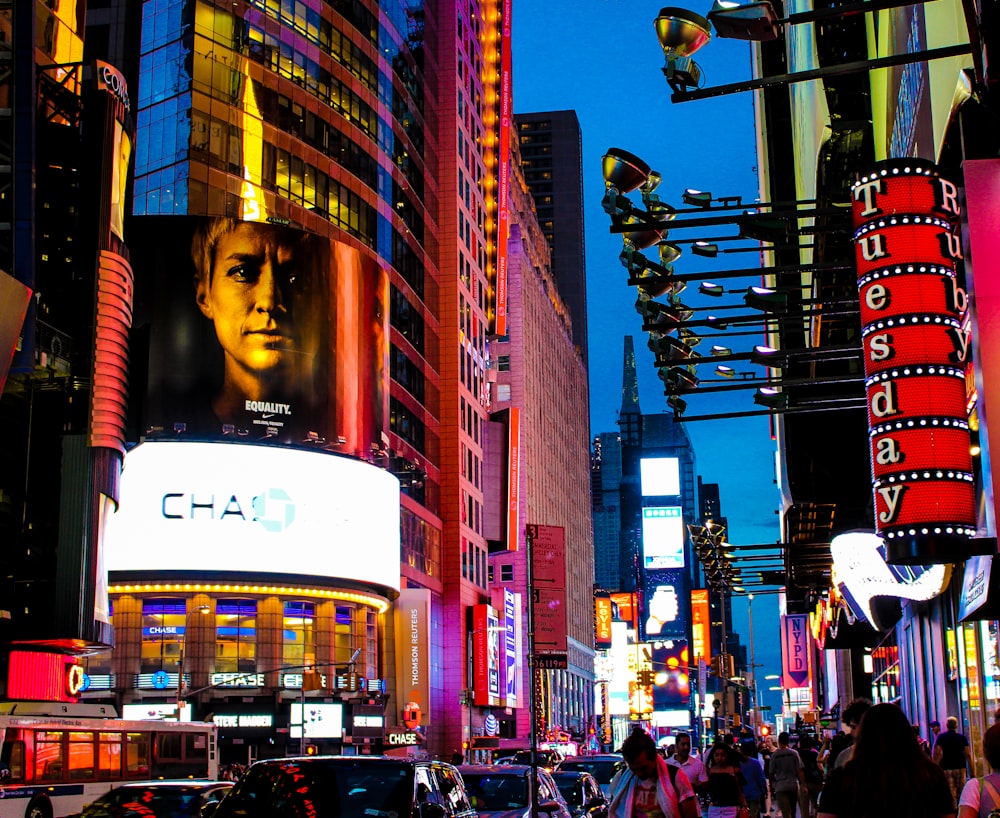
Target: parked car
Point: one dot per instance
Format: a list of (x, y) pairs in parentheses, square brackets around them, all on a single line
[(602, 766), (346, 787), (156, 799), (582, 792), (501, 791), (546, 758)]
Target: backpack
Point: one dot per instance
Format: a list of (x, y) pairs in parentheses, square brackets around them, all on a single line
[(989, 796)]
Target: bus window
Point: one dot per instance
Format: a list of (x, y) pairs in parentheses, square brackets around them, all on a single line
[(137, 755), (12, 760), (109, 756), (196, 749), (49, 755), (81, 755)]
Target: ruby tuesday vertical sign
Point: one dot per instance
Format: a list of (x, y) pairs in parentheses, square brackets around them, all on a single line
[(916, 351)]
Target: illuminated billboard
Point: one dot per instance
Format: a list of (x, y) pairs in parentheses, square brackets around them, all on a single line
[(671, 674), (663, 535), (660, 476), (319, 720), (258, 331), (223, 507)]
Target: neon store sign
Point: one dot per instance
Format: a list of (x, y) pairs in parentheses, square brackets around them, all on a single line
[(916, 341)]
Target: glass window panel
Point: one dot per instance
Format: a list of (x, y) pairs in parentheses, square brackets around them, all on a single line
[(49, 757), (109, 756), (137, 755), (82, 751)]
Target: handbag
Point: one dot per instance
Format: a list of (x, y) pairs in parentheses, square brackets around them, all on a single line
[(743, 812)]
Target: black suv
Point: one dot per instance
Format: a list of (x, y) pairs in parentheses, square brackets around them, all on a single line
[(346, 787)]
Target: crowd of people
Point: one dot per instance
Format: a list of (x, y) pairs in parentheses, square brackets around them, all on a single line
[(877, 765)]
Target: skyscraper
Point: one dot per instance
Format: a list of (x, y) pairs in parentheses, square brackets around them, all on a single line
[(552, 157)]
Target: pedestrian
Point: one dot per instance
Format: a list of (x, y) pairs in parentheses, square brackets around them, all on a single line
[(725, 782), (842, 742), (809, 793), (647, 785), (786, 774), (924, 744), (755, 783), (887, 774), (693, 767), (983, 794), (952, 752)]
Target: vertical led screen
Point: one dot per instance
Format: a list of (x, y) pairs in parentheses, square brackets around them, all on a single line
[(660, 476), (485, 655), (665, 592), (916, 342), (671, 674), (260, 332)]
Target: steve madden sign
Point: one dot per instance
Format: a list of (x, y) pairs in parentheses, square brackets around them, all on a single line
[(916, 341)]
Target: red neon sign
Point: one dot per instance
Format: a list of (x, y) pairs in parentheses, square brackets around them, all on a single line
[(916, 342), (36, 676)]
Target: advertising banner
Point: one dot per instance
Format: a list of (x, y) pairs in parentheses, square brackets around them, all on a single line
[(221, 508), (511, 626), (603, 615), (413, 661), (485, 655), (794, 650), (701, 639), (548, 543), (260, 332), (671, 674)]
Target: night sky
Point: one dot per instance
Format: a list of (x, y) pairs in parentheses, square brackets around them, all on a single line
[(601, 58)]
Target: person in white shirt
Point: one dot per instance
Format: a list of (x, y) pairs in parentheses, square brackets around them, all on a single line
[(693, 768)]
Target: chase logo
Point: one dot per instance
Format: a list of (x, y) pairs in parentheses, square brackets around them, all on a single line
[(274, 510)]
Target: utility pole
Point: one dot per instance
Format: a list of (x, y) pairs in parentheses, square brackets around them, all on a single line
[(532, 672)]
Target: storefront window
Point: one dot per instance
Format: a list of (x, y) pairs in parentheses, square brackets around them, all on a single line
[(344, 632), (163, 623), (236, 636), (885, 670), (299, 642)]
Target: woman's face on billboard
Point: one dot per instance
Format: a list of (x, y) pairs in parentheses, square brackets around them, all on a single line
[(250, 295)]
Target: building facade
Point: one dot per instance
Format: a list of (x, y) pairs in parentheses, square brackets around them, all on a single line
[(552, 157), (300, 495)]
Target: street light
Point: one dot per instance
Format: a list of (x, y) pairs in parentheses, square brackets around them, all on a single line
[(201, 609)]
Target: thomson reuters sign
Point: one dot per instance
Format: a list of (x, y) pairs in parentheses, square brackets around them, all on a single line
[(916, 342)]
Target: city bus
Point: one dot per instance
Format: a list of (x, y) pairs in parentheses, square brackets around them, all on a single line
[(52, 765)]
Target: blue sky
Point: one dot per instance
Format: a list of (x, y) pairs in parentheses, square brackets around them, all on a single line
[(601, 58)]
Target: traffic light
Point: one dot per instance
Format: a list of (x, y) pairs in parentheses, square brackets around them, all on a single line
[(765, 731), (724, 665)]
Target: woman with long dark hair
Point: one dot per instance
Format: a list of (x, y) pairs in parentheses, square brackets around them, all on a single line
[(725, 782), (888, 774)]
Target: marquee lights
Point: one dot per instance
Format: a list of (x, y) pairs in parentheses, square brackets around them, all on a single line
[(917, 343)]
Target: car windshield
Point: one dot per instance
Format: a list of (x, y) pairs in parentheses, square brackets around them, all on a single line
[(131, 802), (603, 771), (496, 792), (571, 788), (345, 788)]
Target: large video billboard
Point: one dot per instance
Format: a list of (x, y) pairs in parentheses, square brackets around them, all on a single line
[(258, 331), (216, 507)]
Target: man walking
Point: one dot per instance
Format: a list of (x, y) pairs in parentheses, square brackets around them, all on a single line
[(647, 787), (693, 768), (786, 775), (951, 751)]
